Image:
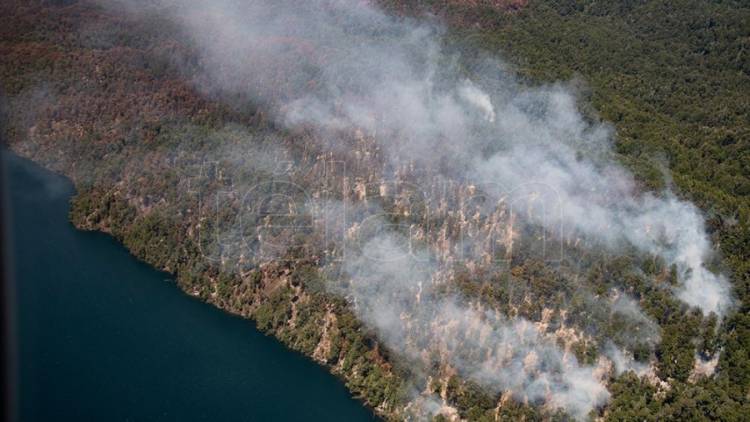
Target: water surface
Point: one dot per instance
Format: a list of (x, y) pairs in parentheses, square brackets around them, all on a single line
[(104, 337)]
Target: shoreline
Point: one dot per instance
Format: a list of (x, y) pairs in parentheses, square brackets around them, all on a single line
[(69, 197)]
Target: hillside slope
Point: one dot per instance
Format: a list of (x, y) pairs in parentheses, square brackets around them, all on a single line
[(170, 165)]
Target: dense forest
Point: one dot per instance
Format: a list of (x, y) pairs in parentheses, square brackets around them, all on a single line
[(674, 78), (120, 105)]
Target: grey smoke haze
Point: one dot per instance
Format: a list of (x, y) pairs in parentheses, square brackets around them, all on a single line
[(389, 78), (393, 291), (624, 362), (344, 65)]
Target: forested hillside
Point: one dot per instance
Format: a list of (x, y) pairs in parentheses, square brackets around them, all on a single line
[(169, 161), (674, 79)]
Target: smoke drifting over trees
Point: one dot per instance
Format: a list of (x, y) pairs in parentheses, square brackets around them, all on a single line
[(339, 66)]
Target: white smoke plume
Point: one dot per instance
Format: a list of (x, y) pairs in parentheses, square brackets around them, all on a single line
[(344, 65), (624, 361), (479, 99), (393, 292)]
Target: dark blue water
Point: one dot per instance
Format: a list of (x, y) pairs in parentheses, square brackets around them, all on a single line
[(104, 337)]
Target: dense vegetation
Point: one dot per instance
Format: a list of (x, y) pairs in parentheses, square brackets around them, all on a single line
[(102, 100), (674, 78)]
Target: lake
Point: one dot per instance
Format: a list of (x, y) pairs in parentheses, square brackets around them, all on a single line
[(101, 336)]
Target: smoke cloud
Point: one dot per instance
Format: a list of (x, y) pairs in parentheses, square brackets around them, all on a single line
[(336, 65), (393, 291)]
